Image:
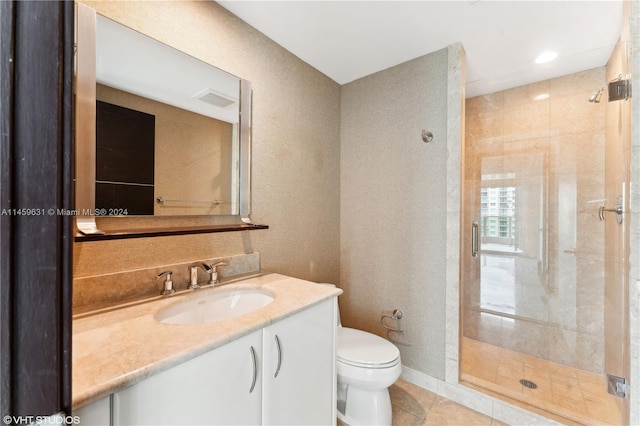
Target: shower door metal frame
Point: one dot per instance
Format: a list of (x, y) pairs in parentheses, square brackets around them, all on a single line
[(617, 234)]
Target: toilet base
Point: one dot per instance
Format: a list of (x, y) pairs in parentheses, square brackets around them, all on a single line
[(364, 407)]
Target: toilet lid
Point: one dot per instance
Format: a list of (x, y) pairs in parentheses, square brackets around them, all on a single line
[(357, 347)]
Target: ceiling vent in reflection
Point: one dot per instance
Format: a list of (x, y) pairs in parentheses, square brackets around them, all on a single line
[(212, 97)]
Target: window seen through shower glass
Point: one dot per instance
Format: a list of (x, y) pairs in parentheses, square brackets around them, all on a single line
[(511, 233)]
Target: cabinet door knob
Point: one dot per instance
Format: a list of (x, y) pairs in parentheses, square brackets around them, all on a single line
[(279, 356), (255, 368)]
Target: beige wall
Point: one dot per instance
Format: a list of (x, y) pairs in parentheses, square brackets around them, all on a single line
[(395, 189), (296, 157), (394, 206)]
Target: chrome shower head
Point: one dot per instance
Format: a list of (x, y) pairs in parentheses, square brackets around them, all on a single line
[(595, 98)]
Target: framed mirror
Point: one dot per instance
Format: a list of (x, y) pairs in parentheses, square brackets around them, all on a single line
[(158, 132)]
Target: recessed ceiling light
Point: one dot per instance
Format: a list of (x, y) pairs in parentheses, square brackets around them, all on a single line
[(546, 56), (541, 97)]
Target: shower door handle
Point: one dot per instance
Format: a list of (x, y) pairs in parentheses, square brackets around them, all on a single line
[(618, 210), (474, 238)]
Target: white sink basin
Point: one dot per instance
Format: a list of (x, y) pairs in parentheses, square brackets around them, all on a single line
[(214, 307)]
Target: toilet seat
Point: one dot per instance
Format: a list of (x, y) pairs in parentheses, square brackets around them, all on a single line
[(361, 349)]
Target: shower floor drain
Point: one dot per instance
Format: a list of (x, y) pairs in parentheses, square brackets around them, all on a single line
[(528, 383)]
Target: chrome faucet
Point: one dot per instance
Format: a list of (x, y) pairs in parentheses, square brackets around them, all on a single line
[(213, 272), (193, 274)]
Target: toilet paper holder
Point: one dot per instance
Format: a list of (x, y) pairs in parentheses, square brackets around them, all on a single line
[(395, 316)]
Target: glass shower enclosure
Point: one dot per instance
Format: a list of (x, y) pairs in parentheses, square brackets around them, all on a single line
[(536, 313)]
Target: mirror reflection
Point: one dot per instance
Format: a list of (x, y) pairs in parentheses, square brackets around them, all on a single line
[(166, 128)]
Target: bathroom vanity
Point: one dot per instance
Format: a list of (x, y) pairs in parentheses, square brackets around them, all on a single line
[(275, 365), (268, 355)]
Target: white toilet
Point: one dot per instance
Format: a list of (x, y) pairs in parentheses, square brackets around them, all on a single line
[(366, 366)]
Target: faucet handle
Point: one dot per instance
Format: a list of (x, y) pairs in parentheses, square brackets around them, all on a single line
[(213, 272), (168, 284)]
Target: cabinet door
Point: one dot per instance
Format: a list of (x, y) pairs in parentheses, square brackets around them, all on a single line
[(301, 350), (211, 389), (97, 413)]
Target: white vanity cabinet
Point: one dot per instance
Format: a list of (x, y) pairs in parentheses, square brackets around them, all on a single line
[(236, 384), (298, 384), (98, 413), (214, 388)]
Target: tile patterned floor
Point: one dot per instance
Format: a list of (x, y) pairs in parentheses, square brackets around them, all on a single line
[(577, 395), (414, 406)]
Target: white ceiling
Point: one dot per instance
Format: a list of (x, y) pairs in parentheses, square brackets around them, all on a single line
[(347, 40)]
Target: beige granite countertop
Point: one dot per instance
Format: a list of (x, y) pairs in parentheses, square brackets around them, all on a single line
[(116, 348)]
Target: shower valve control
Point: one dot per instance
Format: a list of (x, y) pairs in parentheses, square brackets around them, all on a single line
[(427, 136)]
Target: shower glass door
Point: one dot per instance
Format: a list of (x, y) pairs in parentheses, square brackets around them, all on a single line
[(533, 289)]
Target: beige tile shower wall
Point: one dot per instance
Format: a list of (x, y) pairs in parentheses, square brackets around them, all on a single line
[(577, 144), (394, 206), (547, 135), (296, 154), (185, 144)]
